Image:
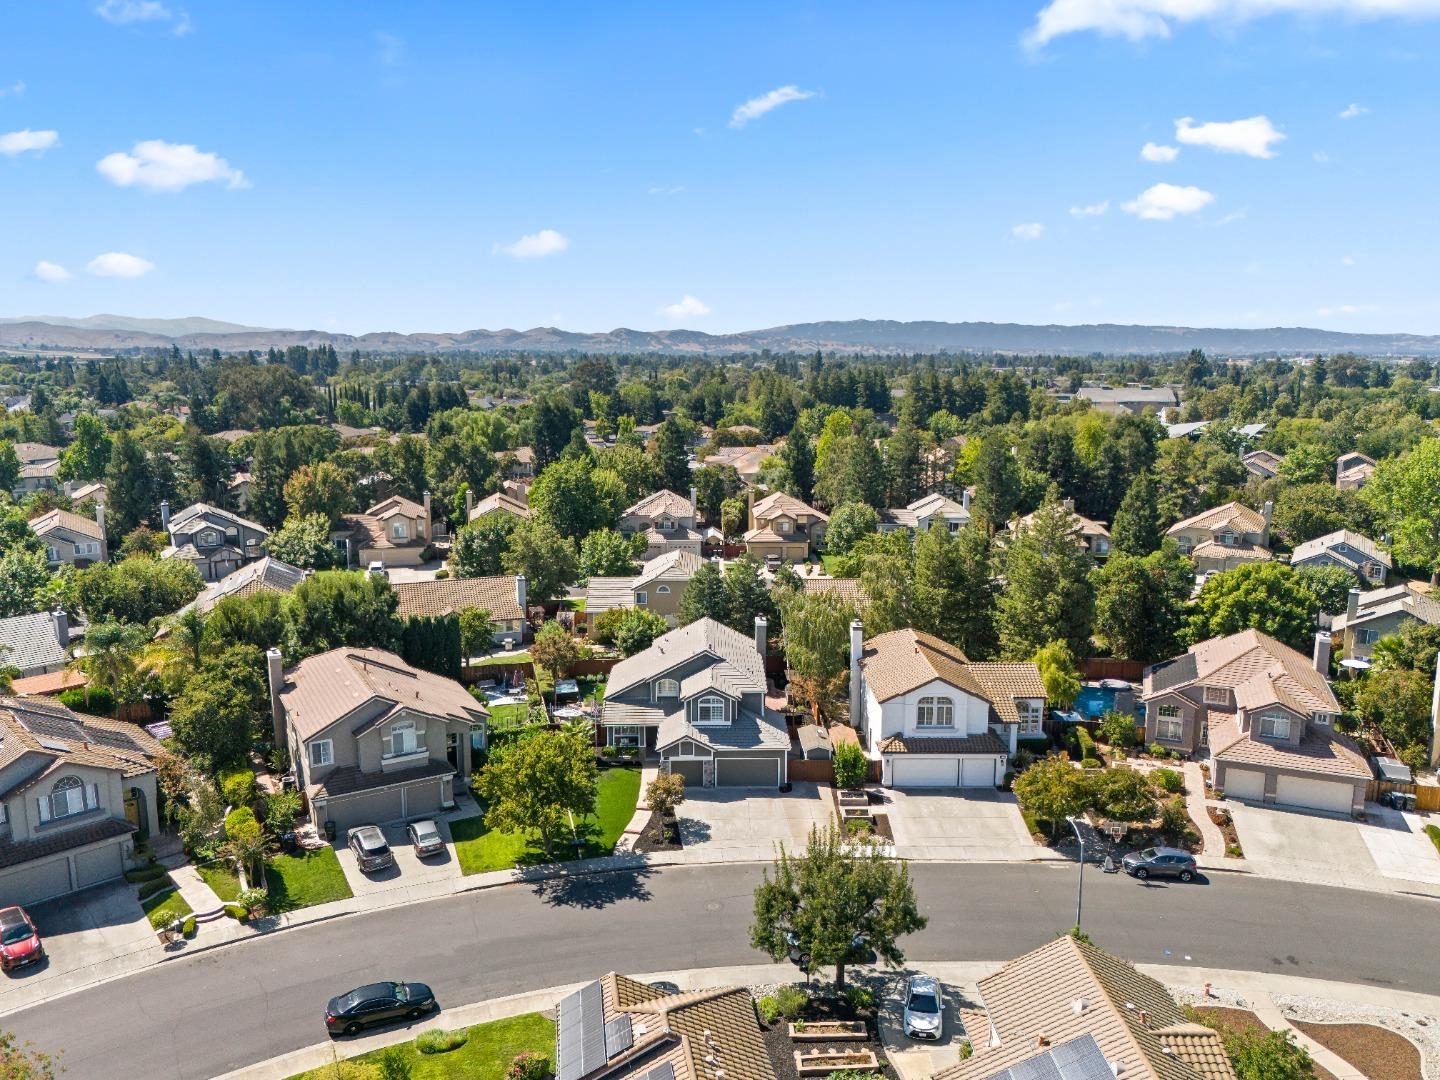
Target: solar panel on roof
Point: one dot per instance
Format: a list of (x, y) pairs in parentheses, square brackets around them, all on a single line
[(55, 727), (55, 744), (618, 1036), (581, 1033), (1078, 1059), (663, 1071), (116, 740)]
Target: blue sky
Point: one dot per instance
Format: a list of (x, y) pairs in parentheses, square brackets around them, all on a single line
[(446, 166)]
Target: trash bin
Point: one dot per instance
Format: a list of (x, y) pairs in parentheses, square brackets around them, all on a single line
[(330, 831)]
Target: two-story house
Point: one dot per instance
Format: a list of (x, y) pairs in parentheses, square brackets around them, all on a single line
[(784, 528), (1353, 471), (518, 464), (659, 587), (1264, 464), (373, 739), (396, 531), (215, 541), (39, 466), (1225, 537), (927, 511), (697, 698), (75, 794), (934, 719), (666, 520), (1092, 535), (501, 595), (1378, 613), (70, 539), (1264, 716), (1348, 550), (497, 503)]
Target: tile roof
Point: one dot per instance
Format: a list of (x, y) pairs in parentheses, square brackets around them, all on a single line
[(31, 641), (1323, 545), (660, 502), (1318, 751), (682, 644), (778, 503), (1209, 549), (502, 502), (1199, 1047), (54, 736), (1266, 461), (67, 521), (13, 852), (396, 504), (986, 742), (1398, 599), (50, 683), (1260, 670), (904, 660), (1003, 683), (31, 452), (1088, 527), (369, 532), (447, 596), (607, 593), (94, 491), (841, 588), (677, 565), (1235, 515)]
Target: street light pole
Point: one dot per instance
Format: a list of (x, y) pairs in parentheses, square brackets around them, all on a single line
[(1080, 886)]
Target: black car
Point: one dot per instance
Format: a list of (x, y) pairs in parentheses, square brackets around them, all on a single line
[(370, 848), (1160, 862), (375, 1004)]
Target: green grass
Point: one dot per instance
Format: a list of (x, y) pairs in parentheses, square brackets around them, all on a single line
[(502, 661), (164, 910), (829, 561), (485, 1056), (504, 717), (480, 850), (223, 881), (296, 881), (1433, 831)]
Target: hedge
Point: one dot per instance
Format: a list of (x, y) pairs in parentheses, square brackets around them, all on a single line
[(101, 701)]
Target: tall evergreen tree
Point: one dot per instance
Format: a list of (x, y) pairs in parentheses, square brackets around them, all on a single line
[(129, 485), (997, 482), (903, 466), (671, 457), (1141, 602), (954, 591), (1048, 594), (1136, 529), (798, 454)]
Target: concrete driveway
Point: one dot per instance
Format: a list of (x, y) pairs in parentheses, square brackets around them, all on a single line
[(751, 822), (409, 869), (914, 1059), (976, 825)]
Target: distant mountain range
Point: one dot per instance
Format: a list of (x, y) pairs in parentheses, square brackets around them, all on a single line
[(105, 333)]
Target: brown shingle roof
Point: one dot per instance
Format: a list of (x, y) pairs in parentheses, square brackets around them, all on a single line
[(502, 502), (1260, 670), (841, 588), (64, 519), (1236, 515), (347, 780), (447, 596)]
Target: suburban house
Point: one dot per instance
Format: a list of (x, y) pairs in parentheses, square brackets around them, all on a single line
[(697, 697), (396, 532), (1348, 550), (264, 575), (1353, 471), (71, 539), (927, 511), (847, 589), (76, 792), (784, 527), (35, 644), (1370, 616), (214, 541), (666, 520), (372, 738), (502, 596), (745, 460), (931, 717), (80, 494), (1264, 716), (498, 503), (1225, 537), (1119, 400), (519, 464), (622, 1029), (1069, 1010), (1262, 463), (38, 465), (1092, 535), (239, 490), (658, 587)]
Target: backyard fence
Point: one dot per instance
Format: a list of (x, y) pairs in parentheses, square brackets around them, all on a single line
[(815, 772), (1427, 796), (1095, 668)]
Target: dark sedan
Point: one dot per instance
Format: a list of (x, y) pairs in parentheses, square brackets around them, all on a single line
[(1160, 862), (377, 1004)]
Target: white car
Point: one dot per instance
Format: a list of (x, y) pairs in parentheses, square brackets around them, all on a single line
[(924, 1008)]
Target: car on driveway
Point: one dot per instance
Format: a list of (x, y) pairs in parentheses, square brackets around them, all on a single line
[(377, 1004), (371, 850), (924, 1016), (425, 838), (19, 940), (1160, 862)]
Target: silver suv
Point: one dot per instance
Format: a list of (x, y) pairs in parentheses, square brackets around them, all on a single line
[(924, 1008)]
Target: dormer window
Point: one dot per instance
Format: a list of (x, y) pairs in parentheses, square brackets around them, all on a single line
[(1274, 726), (710, 710), (1217, 695), (667, 688), (402, 738), (1375, 572), (1228, 539), (666, 523), (398, 531)]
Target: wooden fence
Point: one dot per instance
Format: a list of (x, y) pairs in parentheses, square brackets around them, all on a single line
[(817, 772), (1427, 796), (1094, 668)]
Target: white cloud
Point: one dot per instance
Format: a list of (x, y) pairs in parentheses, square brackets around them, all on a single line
[(124, 12), (1346, 309), (52, 272), (1320, 156), (1093, 210), (1160, 155), (1232, 217), (1140, 19), (535, 245), (157, 165), (689, 307), (1352, 110), (1347, 260), (1251, 137), (119, 264), (1030, 230), (1161, 202), (757, 107), (21, 142), (16, 87)]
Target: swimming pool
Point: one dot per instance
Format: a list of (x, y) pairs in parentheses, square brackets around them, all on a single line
[(1094, 702)]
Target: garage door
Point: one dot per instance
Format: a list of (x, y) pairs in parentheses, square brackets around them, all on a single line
[(36, 882), (94, 867), (1244, 784), (977, 772), (747, 772), (924, 772), (692, 771), (422, 799), (371, 809), (1314, 794)]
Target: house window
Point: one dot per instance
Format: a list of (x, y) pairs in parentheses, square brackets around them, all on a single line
[(782, 526), (1274, 726), (322, 753), (1169, 712), (1102, 546), (710, 710), (1031, 714), (398, 531), (1227, 538), (68, 796), (624, 735), (1375, 572), (935, 712), (209, 538), (1186, 545), (663, 590), (1369, 637), (666, 523), (52, 554), (642, 598), (1217, 695), (402, 738), (667, 688), (1169, 728), (1321, 719)]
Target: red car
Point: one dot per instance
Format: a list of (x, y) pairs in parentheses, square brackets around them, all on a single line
[(19, 940)]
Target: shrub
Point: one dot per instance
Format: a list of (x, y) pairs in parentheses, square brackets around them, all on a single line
[(529, 1066), (791, 1001), (768, 1008), (282, 808), (860, 997), (441, 574), (850, 765), (154, 885), (854, 1074), (101, 702), (236, 912), (1169, 780), (145, 873), (1174, 819), (664, 793), (436, 1041), (189, 927), (252, 899), (1118, 730), (1234, 851), (1091, 763), (1158, 751), (237, 787), (1084, 742), (966, 1050)]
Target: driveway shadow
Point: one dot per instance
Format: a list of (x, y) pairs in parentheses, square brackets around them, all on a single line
[(595, 891), (692, 831)]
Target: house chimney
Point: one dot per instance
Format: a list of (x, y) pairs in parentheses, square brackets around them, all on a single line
[(429, 528), (104, 540), (469, 503), (1435, 718), (520, 593), (762, 629), (1321, 656), (857, 650), (62, 627), (275, 670), (1266, 513), (750, 508), (1352, 606), (694, 501), (165, 514), (965, 498), (1069, 504)]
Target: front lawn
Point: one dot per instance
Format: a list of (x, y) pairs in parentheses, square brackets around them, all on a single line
[(485, 1056), (296, 881), (164, 910), (480, 850), (223, 881)]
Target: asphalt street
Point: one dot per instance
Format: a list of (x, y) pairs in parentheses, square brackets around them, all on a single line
[(204, 1015)]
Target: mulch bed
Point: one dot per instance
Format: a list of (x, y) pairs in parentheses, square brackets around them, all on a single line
[(782, 1050), (1223, 822), (659, 836), (1377, 1052), (1245, 1022)]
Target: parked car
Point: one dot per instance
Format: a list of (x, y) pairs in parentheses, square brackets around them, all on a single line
[(371, 850), (1160, 862), (377, 1003), (19, 940), (924, 1016), (377, 569), (425, 838)]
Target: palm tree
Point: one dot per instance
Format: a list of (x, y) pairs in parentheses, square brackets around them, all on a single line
[(108, 659), (177, 653)]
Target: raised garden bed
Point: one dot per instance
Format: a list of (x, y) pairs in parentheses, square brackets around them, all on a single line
[(825, 1008), (824, 1062), (829, 1031), (847, 797), (854, 813)]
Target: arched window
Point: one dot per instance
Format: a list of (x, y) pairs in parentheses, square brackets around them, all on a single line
[(667, 688), (710, 710), (402, 737), (935, 712), (67, 797)]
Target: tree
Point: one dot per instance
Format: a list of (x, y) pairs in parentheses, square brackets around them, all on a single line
[(142, 543), (130, 489), (245, 842), (852, 471), (545, 557), (848, 524), (1141, 603), (954, 589), (672, 459), (477, 631), (577, 498), (817, 645), (86, 457), (1265, 596), (109, 659), (258, 619), (15, 532), (1405, 495), (537, 781), (432, 642), (322, 489), (747, 595), (136, 590), (732, 518), (1123, 795), (713, 485), (1413, 648), (664, 794), (798, 457), (555, 650), (637, 630), (223, 708), (1307, 464), (341, 607), (552, 422), (1271, 1055), (851, 765), (9, 472), (20, 1061), (1058, 672), (1398, 703), (1053, 790), (478, 549), (178, 653), (705, 596), (997, 482), (1048, 594), (1329, 587), (606, 553), (838, 899), (24, 577), (903, 466), (1136, 529), (304, 542), (1306, 511)]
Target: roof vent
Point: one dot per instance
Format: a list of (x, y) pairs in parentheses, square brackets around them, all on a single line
[(1042, 1041), (1079, 1005)]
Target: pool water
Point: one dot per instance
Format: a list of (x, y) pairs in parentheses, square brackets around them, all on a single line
[(1094, 702)]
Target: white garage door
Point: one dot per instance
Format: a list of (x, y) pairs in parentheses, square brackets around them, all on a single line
[(977, 772), (1314, 794), (1244, 784), (924, 772)]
